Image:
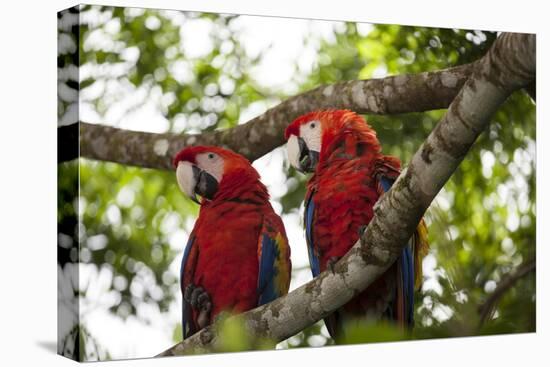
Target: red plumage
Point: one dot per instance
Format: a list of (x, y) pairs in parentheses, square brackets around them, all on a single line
[(226, 242), (344, 189)]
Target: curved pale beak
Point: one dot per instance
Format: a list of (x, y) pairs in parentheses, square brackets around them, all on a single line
[(192, 181), (187, 179), (300, 156)]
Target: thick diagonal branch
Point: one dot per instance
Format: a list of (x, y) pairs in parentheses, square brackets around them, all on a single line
[(508, 66), (396, 94)]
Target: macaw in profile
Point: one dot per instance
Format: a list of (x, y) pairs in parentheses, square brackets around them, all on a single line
[(237, 256), (350, 174)]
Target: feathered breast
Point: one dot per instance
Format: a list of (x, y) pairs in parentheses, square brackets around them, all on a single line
[(344, 195)]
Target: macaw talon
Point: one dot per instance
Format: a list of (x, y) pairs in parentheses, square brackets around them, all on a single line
[(203, 302), (187, 293), (204, 305), (203, 319), (200, 300), (197, 292), (331, 262), (197, 297)]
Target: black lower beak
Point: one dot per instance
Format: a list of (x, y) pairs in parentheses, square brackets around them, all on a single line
[(206, 184), (308, 158)]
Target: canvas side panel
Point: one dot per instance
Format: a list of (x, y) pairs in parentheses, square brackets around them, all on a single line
[(68, 316)]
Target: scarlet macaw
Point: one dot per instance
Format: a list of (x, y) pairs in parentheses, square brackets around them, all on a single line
[(237, 256), (349, 175)]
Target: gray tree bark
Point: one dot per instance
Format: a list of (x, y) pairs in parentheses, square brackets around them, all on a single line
[(391, 95), (508, 66)]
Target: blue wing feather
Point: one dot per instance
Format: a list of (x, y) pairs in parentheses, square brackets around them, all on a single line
[(308, 216), (185, 307), (274, 262), (266, 285), (407, 265), (408, 281), (386, 183)]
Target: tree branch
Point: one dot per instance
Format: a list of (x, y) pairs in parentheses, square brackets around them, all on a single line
[(486, 309), (508, 66), (395, 94)]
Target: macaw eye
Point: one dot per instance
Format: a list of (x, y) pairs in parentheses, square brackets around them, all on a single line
[(312, 125), (210, 155)]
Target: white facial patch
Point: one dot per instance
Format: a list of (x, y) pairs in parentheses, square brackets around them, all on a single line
[(311, 133), (293, 150), (211, 163), (184, 176)]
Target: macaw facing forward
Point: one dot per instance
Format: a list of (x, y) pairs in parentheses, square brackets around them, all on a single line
[(237, 256), (350, 174)]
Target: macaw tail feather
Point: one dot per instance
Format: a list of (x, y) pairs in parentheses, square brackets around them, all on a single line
[(421, 247)]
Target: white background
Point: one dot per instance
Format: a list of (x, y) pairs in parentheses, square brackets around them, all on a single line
[(28, 48)]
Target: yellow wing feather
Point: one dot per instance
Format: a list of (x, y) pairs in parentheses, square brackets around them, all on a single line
[(421, 248)]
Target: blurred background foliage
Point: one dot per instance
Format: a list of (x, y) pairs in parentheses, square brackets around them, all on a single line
[(135, 222)]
